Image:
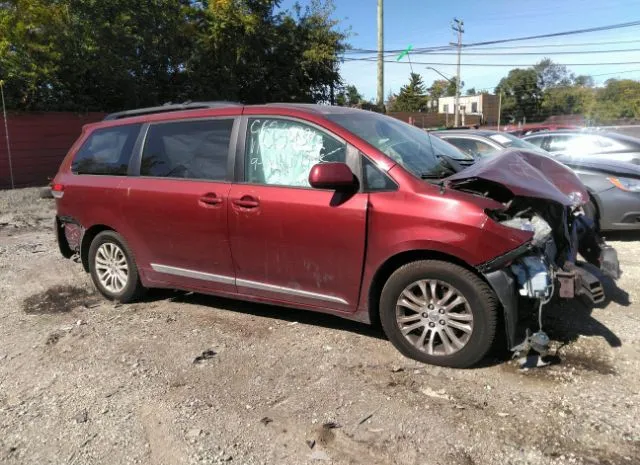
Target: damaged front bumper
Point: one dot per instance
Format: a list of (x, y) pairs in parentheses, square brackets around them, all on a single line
[(529, 273)]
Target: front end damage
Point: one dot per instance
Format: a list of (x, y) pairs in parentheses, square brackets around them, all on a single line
[(548, 264), (554, 260), (537, 194)]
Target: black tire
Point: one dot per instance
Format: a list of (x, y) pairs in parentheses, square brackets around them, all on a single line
[(133, 288), (591, 212), (483, 305)]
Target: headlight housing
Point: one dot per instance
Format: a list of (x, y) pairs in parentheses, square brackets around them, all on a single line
[(539, 227), (626, 184)]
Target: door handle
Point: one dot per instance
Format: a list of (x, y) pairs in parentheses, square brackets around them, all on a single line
[(210, 199), (247, 201)]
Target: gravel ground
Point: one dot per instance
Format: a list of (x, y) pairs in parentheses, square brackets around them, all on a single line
[(84, 381)]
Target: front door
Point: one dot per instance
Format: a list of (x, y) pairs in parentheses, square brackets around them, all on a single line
[(290, 242), (177, 206)]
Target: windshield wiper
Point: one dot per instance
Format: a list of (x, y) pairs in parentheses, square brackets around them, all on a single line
[(433, 175)]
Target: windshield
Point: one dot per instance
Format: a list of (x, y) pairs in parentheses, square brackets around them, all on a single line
[(413, 148), (509, 140)]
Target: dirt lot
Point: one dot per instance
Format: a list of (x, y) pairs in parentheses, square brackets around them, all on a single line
[(84, 381)]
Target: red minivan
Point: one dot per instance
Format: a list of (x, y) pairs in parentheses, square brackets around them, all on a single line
[(329, 209)]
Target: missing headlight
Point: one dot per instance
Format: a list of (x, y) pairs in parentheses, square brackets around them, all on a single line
[(533, 276), (539, 227)]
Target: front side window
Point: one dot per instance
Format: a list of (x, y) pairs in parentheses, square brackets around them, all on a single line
[(282, 152), (414, 149), (106, 151), (187, 149)]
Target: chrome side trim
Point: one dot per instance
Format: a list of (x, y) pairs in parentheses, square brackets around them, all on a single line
[(216, 278), (289, 291), (245, 283)]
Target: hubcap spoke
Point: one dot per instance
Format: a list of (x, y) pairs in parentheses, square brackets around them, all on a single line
[(420, 342), (410, 318), (448, 348), (410, 305), (456, 342), (432, 337), (407, 329), (460, 316), (446, 297), (457, 301), (432, 290), (412, 297), (460, 326)]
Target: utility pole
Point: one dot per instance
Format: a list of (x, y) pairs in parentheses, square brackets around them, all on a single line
[(457, 26), (380, 55), (499, 108)]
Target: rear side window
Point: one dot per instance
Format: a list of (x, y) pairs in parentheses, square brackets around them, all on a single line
[(188, 149), (106, 151)]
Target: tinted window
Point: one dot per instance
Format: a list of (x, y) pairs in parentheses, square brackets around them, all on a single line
[(282, 152), (106, 151), (374, 179), (188, 149)]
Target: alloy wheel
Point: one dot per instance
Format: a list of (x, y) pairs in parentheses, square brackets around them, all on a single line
[(434, 317), (112, 268)]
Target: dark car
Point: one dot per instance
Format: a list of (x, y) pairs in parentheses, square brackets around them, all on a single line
[(614, 187), (329, 209), (591, 144)]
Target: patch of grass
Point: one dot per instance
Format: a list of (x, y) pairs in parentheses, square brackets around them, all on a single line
[(59, 299)]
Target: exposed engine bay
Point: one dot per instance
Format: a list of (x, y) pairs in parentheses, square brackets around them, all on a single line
[(549, 263)]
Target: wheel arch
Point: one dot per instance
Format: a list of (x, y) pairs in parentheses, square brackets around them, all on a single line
[(87, 238), (394, 262)]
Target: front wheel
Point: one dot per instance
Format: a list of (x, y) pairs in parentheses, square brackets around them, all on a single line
[(113, 268), (439, 313)]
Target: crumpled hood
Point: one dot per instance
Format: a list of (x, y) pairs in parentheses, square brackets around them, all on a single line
[(526, 174)]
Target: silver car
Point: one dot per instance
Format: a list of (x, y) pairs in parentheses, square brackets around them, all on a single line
[(581, 144)]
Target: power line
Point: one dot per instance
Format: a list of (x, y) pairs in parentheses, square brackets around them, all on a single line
[(497, 64), (568, 52), (579, 44), (557, 34), (515, 39)]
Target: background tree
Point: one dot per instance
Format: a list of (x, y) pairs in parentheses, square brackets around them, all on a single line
[(412, 97), (115, 54), (521, 94), (617, 99), (349, 96), (471, 92), (551, 75), (438, 89)]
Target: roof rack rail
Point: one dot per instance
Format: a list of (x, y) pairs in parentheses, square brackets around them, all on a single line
[(168, 107)]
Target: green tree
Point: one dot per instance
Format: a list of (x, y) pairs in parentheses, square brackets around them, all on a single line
[(29, 56), (552, 75), (472, 91), (349, 96), (569, 100), (521, 94), (117, 54), (412, 97), (438, 88), (619, 98)]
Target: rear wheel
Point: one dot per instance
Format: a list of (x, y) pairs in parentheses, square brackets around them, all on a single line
[(113, 268), (439, 313)]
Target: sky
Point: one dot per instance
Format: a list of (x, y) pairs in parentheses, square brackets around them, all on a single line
[(426, 23)]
